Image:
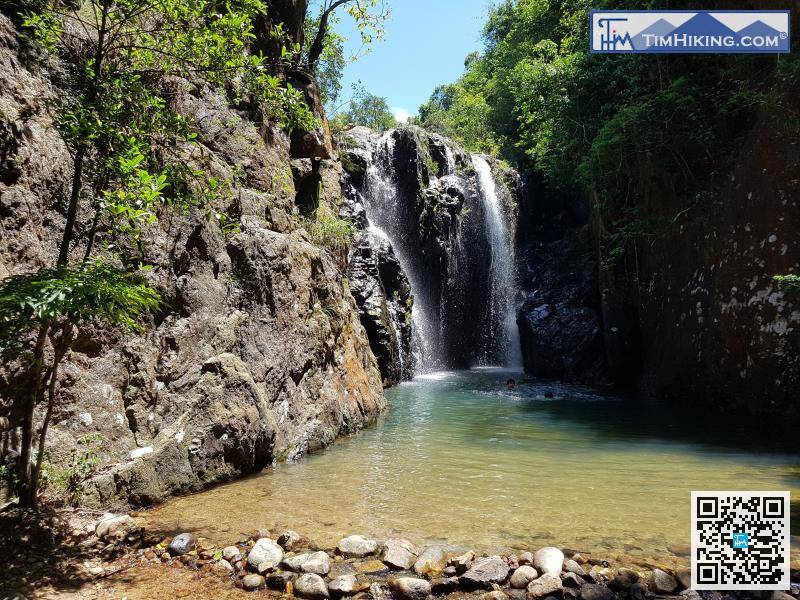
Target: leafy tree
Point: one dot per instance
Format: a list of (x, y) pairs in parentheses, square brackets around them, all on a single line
[(330, 65), (129, 151), (369, 15), (609, 124), (370, 111)]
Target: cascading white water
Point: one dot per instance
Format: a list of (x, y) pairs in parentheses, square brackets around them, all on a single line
[(503, 276), (382, 214)]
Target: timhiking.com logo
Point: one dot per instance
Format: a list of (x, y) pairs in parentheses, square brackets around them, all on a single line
[(661, 31)]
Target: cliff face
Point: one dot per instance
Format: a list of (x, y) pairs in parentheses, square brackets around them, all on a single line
[(695, 315), (260, 355), (690, 315)]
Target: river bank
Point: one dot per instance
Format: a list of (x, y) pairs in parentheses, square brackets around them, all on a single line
[(75, 554)]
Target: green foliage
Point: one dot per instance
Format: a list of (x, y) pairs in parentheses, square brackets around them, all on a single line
[(368, 110), (91, 292), (788, 283), (9, 476), (330, 67), (328, 230), (83, 463), (617, 125)]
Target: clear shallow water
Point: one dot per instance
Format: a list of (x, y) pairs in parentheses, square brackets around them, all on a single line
[(461, 460)]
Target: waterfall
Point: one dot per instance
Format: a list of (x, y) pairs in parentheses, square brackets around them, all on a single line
[(383, 214), (451, 229), (502, 269)]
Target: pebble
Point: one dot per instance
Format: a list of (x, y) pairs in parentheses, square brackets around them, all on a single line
[(265, 555), (431, 562), (288, 539), (548, 583), (484, 572), (495, 595), (231, 553), (222, 567), (526, 558), (399, 554), (311, 586), (357, 546), (663, 582), (462, 562), (410, 588), (317, 562), (181, 544), (253, 581), (572, 566), (523, 576), (624, 579), (548, 560)]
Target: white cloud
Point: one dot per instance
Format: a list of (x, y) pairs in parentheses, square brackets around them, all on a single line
[(401, 114)]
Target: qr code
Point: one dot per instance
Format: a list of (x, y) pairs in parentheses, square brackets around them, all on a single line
[(740, 540)]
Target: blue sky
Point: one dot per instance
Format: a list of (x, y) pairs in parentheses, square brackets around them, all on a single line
[(426, 42)]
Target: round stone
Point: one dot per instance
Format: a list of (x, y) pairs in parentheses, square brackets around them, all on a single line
[(663, 582), (253, 582), (522, 577), (265, 555), (548, 560)]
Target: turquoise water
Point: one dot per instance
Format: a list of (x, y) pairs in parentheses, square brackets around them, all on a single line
[(461, 460)]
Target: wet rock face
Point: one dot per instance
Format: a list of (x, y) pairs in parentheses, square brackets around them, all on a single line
[(383, 295), (259, 355), (560, 323)]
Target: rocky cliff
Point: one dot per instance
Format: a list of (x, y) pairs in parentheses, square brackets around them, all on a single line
[(691, 313), (260, 354), (695, 315)]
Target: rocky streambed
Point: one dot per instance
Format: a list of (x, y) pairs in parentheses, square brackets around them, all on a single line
[(287, 563)]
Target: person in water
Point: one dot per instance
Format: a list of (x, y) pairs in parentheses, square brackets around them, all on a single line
[(511, 384)]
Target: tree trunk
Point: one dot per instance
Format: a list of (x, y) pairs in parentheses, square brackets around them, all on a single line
[(59, 351), (27, 495), (80, 151), (318, 45), (290, 13)]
